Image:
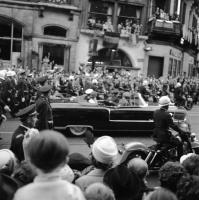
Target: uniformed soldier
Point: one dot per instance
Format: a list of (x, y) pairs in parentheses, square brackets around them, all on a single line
[(27, 117), (23, 90), (44, 110)]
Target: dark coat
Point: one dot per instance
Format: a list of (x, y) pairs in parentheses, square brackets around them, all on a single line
[(16, 142), (44, 111), (163, 121)]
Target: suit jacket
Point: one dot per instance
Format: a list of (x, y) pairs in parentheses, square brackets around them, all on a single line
[(44, 111), (16, 142), (163, 121)]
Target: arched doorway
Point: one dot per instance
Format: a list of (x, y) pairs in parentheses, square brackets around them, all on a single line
[(112, 58)]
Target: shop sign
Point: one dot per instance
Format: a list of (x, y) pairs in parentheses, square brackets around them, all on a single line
[(175, 53), (92, 51), (111, 40)]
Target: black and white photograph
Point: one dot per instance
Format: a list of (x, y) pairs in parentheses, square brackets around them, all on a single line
[(99, 99)]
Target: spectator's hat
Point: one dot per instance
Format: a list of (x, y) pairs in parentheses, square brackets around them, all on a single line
[(178, 85), (145, 82), (105, 150), (41, 79), (45, 88), (94, 81), (7, 160), (22, 72), (71, 77), (26, 112), (89, 91)]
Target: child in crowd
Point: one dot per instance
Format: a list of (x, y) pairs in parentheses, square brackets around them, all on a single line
[(48, 153)]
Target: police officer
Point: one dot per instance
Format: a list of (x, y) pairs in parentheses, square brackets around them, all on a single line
[(163, 121), (23, 90), (27, 117), (44, 110)]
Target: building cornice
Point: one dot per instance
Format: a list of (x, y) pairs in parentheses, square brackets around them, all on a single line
[(41, 4)]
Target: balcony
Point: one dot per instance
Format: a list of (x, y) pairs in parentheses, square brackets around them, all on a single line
[(164, 27)]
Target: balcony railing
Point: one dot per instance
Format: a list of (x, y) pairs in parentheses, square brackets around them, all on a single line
[(164, 27)]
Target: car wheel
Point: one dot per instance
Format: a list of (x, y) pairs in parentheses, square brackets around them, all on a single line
[(78, 130)]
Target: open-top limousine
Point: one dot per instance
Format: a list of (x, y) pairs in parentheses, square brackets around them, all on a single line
[(78, 117)]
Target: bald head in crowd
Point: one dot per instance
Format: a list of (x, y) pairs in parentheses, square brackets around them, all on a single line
[(138, 166)]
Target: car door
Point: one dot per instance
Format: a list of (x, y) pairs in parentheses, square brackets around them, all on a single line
[(131, 119)]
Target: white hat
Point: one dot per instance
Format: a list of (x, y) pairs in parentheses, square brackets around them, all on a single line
[(89, 91), (178, 85), (71, 77), (94, 81), (105, 150), (7, 157), (164, 101), (145, 82)]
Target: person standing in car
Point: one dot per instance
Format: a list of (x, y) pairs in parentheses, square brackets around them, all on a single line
[(44, 110)]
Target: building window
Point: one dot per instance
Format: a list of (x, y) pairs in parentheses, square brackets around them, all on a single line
[(170, 66), (11, 35), (55, 31), (175, 67), (100, 15), (179, 68), (190, 70)]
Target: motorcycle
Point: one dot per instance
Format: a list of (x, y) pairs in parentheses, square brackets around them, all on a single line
[(156, 155)]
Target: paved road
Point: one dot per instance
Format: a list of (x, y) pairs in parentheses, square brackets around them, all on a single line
[(77, 144)]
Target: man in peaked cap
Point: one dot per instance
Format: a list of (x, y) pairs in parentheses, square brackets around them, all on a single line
[(23, 90), (44, 110), (27, 117)]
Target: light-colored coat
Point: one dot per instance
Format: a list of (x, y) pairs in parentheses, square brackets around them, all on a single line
[(49, 188)]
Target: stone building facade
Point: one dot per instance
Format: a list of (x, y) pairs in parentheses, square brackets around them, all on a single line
[(33, 32)]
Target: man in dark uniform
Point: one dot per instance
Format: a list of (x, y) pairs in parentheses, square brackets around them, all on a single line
[(44, 110), (27, 117), (23, 90), (163, 121)]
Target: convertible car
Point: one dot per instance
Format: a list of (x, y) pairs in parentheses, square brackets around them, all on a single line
[(105, 117)]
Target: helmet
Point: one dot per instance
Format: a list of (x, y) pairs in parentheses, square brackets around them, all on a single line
[(164, 101)]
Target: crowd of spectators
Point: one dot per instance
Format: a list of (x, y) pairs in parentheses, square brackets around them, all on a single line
[(118, 86), (48, 170), (161, 14), (125, 27), (47, 173)]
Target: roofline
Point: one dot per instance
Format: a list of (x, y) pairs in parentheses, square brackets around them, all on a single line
[(39, 4)]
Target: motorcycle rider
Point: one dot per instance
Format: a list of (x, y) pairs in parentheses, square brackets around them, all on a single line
[(163, 121)]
